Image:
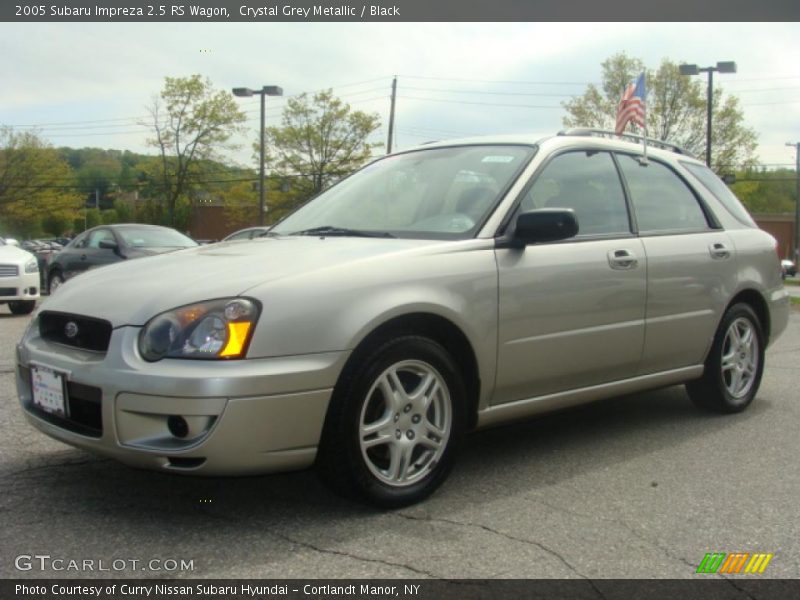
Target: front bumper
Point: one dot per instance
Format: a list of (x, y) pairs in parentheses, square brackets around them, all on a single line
[(24, 286), (239, 417)]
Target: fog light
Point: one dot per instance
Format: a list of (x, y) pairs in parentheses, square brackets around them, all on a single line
[(178, 426)]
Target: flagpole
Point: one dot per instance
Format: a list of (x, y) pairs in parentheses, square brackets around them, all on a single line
[(644, 106)]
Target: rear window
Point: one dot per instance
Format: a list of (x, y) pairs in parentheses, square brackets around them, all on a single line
[(720, 191)]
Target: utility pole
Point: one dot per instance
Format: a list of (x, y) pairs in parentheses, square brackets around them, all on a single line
[(391, 116), (709, 113), (796, 248)]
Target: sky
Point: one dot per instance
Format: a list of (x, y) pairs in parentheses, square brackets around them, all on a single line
[(88, 84)]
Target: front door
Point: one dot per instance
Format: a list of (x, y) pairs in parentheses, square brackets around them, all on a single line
[(571, 313)]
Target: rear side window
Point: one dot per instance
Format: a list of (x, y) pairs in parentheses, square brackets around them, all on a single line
[(588, 183), (720, 191), (661, 199)]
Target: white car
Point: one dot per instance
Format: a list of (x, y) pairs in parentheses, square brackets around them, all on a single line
[(19, 279)]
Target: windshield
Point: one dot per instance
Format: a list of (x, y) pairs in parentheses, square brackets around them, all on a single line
[(431, 193), (152, 237)]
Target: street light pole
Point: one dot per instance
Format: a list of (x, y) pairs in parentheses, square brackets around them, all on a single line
[(796, 251), (722, 67), (267, 90), (262, 192), (709, 113)]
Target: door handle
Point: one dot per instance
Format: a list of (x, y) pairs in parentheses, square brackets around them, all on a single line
[(719, 251), (622, 259), (83, 257)]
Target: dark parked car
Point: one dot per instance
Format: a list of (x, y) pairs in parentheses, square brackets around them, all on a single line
[(43, 250), (788, 268), (109, 244), (246, 234)]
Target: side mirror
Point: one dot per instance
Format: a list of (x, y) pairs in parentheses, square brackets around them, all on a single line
[(545, 225), (108, 245)]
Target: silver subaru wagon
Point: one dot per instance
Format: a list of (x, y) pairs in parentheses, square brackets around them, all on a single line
[(455, 286)]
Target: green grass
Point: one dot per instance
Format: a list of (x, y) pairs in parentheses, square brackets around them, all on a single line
[(795, 301), (791, 281)]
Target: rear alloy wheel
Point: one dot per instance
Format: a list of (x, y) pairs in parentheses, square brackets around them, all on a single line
[(22, 307), (734, 365), (392, 435)]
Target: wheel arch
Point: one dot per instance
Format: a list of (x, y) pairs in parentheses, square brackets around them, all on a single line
[(756, 301), (436, 327)]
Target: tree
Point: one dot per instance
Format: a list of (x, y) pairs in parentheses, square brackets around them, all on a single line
[(320, 140), (240, 204), (771, 192), (676, 111), (191, 123), (35, 182)]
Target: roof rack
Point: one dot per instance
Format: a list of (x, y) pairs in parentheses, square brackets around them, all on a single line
[(604, 133)]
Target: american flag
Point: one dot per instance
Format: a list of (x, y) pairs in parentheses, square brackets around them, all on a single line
[(631, 106)]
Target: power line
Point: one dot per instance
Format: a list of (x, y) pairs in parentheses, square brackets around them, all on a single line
[(501, 81), (478, 103), (134, 118), (493, 93)]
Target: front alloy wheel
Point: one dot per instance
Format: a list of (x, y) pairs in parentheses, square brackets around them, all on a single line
[(405, 423), (395, 422)]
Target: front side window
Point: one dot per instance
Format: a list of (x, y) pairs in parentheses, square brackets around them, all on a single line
[(443, 193), (588, 183), (99, 235), (661, 199)]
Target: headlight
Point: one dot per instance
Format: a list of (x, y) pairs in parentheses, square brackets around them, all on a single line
[(32, 266), (217, 329)]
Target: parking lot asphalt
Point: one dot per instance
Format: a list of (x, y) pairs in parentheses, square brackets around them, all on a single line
[(638, 486)]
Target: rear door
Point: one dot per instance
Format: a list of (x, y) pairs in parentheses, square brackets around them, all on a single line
[(572, 313), (691, 265)]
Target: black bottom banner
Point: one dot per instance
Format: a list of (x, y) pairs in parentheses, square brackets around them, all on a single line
[(750, 588)]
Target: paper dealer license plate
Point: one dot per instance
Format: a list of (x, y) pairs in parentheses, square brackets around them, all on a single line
[(49, 391)]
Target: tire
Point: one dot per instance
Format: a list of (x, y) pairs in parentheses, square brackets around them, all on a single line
[(22, 307), (55, 281), (395, 425), (734, 365)]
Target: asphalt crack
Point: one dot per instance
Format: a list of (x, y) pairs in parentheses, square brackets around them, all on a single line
[(508, 536), (321, 550), (622, 524), (643, 538)]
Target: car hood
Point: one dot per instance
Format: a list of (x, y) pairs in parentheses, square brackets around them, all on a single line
[(132, 292), (14, 255)]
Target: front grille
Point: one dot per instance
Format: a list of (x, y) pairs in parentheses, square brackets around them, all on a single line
[(8, 291), (84, 408), (9, 270), (88, 333)]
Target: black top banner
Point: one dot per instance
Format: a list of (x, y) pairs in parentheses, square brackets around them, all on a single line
[(264, 11)]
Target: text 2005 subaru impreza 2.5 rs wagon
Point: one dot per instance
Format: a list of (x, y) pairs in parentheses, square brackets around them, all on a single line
[(454, 286)]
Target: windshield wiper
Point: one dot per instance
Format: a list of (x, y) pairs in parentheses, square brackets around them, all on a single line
[(342, 231)]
